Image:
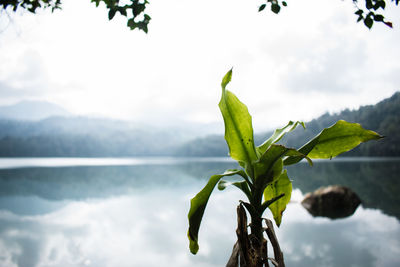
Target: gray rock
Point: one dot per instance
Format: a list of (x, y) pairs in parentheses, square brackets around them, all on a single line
[(334, 202)]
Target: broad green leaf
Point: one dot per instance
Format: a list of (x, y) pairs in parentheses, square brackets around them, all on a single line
[(238, 126), (341, 137), (278, 134), (280, 186), (269, 167), (198, 205)]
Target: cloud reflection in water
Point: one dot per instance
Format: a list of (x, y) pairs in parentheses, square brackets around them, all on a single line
[(136, 216), (138, 230)]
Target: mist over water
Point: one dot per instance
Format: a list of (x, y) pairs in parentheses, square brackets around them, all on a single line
[(134, 213)]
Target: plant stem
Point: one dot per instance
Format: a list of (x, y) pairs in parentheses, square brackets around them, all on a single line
[(256, 228), (256, 220)]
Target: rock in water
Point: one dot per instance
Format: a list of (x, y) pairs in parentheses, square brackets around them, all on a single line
[(334, 202)]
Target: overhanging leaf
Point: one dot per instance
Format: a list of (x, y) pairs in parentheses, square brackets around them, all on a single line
[(198, 205), (238, 126), (277, 188), (341, 137)]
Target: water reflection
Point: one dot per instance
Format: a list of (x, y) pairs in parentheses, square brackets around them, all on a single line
[(375, 182), (333, 202), (134, 230), (136, 216), (357, 241)]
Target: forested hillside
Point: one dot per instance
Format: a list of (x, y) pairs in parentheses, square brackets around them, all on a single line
[(383, 118), (85, 137), (94, 137)]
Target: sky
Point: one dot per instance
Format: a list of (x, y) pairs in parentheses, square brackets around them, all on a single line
[(310, 59)]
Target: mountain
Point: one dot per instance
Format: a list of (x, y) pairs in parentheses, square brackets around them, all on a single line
[(42, 129), (32, 111), (384, 118), (98, 137), (85, 137)]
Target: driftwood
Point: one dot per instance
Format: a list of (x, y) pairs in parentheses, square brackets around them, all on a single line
[(249, 251)]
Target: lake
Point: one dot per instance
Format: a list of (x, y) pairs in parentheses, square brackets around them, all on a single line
[(133, 212)]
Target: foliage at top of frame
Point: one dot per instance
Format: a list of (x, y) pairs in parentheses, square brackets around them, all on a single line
[(134, 10), (137, 18), (370, 13)]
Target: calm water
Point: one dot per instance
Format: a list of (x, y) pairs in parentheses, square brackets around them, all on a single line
[(132, 212)]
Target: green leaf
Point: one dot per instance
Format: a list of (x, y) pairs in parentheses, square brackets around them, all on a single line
[(198, 205), (269, 167), (122, 11), (274, 190), (278, 134), (275, 8), (368, 4), (382, 4), (359, 12), (284, 3), (111, 13), (227, 79), (341, 137), (131, 24), (378, 17), (250, 208), (238, 126), (242, 185), (294, 153), (262, 7), (269, 202), (137, 8), (368, 22)]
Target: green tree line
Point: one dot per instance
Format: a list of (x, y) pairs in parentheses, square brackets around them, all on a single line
[(383, 117)]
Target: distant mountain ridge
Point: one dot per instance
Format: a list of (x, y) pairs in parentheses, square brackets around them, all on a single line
[(384, 118), (80, 136), (85, 137), (32, 111), (60, 136)]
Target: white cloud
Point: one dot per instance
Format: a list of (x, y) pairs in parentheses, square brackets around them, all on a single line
[(309, 59)]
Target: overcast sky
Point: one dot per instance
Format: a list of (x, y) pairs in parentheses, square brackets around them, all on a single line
[(311, 58)]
